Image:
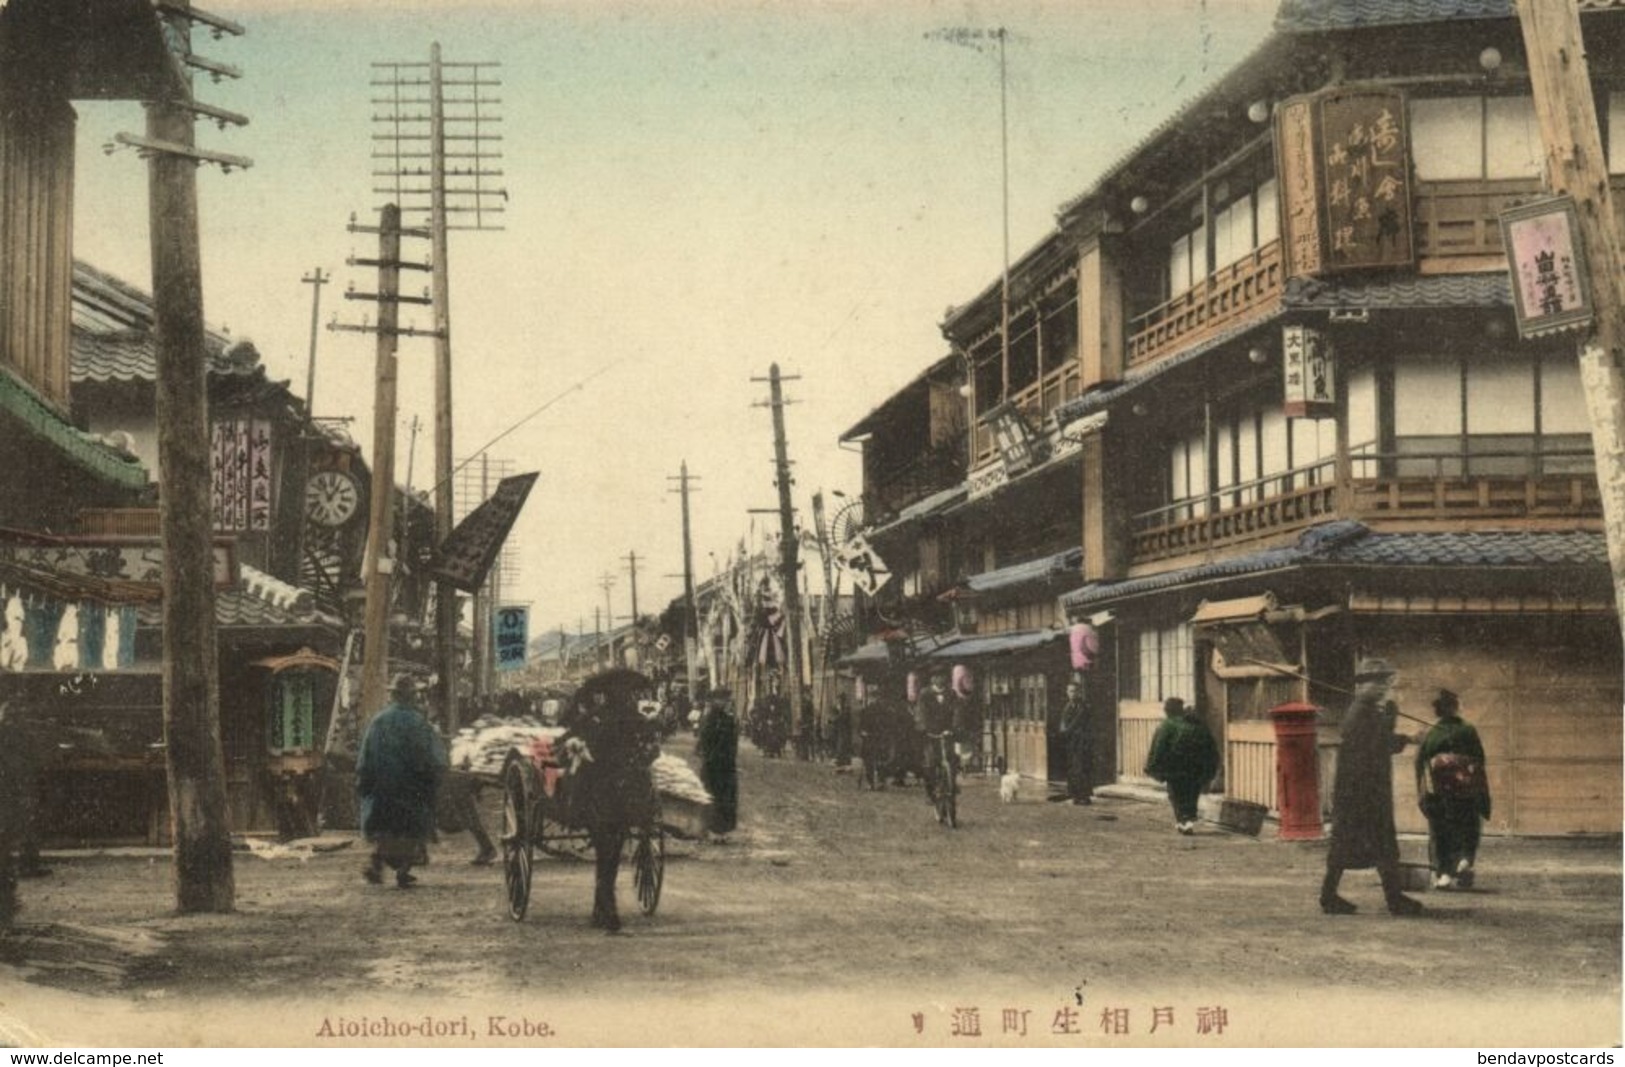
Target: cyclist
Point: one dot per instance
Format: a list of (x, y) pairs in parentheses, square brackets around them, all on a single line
[(938, 712)]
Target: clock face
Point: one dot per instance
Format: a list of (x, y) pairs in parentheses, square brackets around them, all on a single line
[(331, 498)]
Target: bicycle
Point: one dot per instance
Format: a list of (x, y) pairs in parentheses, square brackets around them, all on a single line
[(942, 785)]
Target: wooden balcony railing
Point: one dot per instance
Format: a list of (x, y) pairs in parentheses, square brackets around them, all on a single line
[(1477, 485), (1462, 218), (1500, 484), (1238, 513), (1037, 402), (1247, 285)]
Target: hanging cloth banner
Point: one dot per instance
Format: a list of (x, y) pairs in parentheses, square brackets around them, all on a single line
[(512, 632), (868, 571)]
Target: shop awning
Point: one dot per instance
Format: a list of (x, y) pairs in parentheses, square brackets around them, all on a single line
[(1031, 572), (967, 648)]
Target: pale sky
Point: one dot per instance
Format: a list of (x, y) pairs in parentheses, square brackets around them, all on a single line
[(695, 192)]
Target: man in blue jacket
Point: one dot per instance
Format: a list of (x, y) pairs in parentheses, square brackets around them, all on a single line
[(397, 772)]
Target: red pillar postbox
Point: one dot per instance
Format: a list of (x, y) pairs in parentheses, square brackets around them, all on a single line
[(1297, 771)]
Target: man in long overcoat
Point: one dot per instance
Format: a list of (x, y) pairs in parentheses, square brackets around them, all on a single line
[(397, 773), (1075, 734), (719, 761), (1363, 834)]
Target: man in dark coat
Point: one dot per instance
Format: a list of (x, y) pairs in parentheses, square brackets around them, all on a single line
[(719, 762), (1075, 735), (397, 773), (1453, 793), (843, 731), (614, 790), (1184, 755), (1363, 832)]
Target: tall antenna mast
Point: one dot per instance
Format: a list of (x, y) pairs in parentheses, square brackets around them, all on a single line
[(434, 156)]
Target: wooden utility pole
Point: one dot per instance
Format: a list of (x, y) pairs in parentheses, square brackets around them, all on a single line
[(194, 760), (1576, 166), (381, 524), (315, 279), (469, 114), (789, 547), (690, 623), (632, 568)]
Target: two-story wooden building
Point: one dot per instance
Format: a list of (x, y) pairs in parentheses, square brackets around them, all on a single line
[(1266, 380), (1313, 431)]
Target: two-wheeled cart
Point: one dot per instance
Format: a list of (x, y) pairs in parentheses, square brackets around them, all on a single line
[(536, 819)]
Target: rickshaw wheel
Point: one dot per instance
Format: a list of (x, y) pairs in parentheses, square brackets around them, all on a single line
[(518, 815), (649, 867)]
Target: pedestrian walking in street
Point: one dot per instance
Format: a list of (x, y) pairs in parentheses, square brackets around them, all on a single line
[(1184, 755), (1363, 834), (843, 731), (1454, 793), (1075, 735), (397, 774), (719, 763)]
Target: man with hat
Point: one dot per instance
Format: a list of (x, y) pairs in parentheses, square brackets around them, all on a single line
[(1363, 832), (1453, 793), (718, 744), (397, 772)]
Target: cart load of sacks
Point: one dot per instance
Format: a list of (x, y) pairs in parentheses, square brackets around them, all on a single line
[(482, 746)]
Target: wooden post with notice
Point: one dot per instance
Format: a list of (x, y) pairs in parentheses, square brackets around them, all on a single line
[(1576, 166), (199, 812)]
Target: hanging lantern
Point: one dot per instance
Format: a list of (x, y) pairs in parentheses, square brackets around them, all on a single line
[(1085, 646), (911, 686), (964, 684)]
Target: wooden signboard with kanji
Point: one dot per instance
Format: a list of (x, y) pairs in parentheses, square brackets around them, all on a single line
[(470, 549)]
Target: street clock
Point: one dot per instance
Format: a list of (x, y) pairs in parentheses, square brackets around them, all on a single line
[(331, 498)]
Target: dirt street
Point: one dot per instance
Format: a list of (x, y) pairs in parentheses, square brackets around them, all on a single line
[(834, 916)]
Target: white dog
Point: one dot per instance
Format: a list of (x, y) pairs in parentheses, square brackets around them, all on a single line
[(1009, 786)]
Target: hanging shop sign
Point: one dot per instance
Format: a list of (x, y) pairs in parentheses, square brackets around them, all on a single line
[(511, 629), (1551, 290), (1345, 168), (1012, 437), (1307, 374), (240, 462), (470, 549)]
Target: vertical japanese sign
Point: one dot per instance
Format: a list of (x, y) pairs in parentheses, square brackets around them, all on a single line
[(1551, 290), (1300, 199), (512, 631), (1307, 374), (240, 460), (1366, 167), (1012, 437)]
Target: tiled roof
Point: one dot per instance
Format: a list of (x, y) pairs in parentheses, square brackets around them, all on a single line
[(1045, 569), (1316, 16), (1349, 543), (113, 340), (20, 407), (996, 644), (1433, 291), (256, 600), (1567, 548), (936, 502)]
